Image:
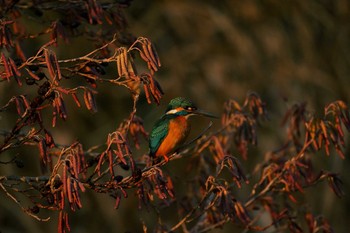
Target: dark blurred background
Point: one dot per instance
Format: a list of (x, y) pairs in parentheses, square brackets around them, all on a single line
[(286, 51)]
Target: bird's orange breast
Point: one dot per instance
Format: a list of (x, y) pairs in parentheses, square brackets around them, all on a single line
[(178, 131)]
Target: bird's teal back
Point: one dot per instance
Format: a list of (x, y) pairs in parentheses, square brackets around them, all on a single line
[(171, 131), (159, 132)]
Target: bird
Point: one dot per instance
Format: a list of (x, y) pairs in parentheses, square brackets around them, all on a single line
[(172, 129)]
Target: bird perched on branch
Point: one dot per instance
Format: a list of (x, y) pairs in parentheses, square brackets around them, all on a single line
[(172, 129)]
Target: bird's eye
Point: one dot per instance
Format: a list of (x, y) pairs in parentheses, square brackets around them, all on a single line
[(190, 108)]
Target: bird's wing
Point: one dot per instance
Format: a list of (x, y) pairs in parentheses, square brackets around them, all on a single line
[(159, 132)]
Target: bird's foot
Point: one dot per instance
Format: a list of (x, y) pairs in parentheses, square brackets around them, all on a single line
[(166, 158)]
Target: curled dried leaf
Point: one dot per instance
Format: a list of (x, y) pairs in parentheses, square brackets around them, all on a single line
[(234, 167), (14, 67), (150, 58), (110, 162), (75, 98), (117, 200), (100, 162), (90, 101), (69, 191), (8, 70), (336, 184), (136, 129), (49, 141), (52, 65), (311, 222), (122, 62), (61, 107), (43, 151), (33, 75), (152, 87), (294, 227), (255, 105), (19, 105), (241, 212), (49, 64)]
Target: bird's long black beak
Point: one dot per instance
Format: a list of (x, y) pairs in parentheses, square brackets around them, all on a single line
[(203, 113)]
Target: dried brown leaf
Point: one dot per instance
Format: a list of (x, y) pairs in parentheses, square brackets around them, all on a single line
[(14, 67), (43, 151), (151, 64), (311, 222), (117, 200), (69, 190), (100, 162), (8, 71), (75, 98), (336, 184), (49, 64), (111, 162)]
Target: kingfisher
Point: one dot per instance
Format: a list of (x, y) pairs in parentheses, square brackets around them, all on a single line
[(172, 129)]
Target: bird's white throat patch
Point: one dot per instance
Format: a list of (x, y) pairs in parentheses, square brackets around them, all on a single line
[(176, 110), (173, 111)]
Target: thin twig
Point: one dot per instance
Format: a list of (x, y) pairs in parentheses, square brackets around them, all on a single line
[(23, 209)]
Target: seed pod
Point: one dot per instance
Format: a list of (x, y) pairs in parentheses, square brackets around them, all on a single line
[(35, 209), (76, 100), (30, 81), (124, 166), (19, 163), (118, 178), (8, 71)]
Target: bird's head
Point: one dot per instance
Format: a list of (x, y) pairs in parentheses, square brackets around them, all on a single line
[(183, 107)]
